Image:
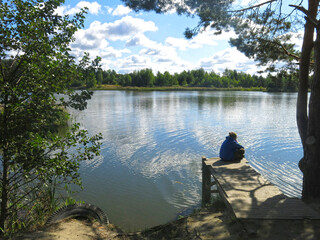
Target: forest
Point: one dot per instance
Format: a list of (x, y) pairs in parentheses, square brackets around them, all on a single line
[(93, 75)]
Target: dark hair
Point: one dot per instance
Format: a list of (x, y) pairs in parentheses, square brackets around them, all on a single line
[(233, 135)]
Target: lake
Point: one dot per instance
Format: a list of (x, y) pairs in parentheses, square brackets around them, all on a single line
[(149, 170)]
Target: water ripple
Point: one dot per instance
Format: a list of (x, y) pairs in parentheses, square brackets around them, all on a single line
[(150, 168)]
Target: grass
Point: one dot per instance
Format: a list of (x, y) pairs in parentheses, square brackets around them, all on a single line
[(175, 88)]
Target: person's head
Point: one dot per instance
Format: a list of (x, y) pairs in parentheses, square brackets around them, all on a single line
[(233, 135)]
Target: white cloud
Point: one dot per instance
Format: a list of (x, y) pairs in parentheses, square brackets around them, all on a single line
[(181, 43), (131, 63), (229, 58), (297, 39), (140, 61), (109, 9), (121, 10), (96, 36), (159, 52), (130, 31), (124, 47), (152, 55), (60, 10), (93, 8), (124, 28), (89, 39), (247, 3), (140, 40), (95, 39), (162, 58), (206, 38)]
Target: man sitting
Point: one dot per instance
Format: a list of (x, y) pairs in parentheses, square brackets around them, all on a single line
[(230, 149)]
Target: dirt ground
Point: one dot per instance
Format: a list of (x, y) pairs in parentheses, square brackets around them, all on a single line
[(213, 223), (206, 224)]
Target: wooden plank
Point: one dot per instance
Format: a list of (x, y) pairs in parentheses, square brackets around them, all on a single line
[(206, 183), (251, 196)]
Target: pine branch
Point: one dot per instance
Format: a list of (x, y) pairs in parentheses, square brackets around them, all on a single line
[(311, 18), (296, 57)]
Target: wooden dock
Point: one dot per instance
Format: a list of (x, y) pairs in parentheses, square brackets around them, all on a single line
[(248, 194)]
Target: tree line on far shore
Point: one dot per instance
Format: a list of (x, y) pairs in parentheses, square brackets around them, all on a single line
[(92, 73)]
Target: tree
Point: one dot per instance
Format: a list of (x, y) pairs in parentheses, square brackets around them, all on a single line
[(160, 80), (264, 32), (146, 77), (125, 80), (35, 73), (167, 78), (182, 78), (198, 76), (96, 64), (109, 77), (99, 76), (89, 71)]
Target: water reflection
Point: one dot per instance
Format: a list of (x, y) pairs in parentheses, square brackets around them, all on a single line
[(153, 142)]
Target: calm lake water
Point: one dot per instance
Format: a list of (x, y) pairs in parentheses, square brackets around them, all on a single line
[(149, 170)]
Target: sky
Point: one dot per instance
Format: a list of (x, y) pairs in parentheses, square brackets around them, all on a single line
[(128, 41)]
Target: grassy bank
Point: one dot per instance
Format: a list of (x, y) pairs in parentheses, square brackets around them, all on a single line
[(175, 88)]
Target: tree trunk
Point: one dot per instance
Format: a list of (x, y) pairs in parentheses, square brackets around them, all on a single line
[(5, 168), (307, 46), (307, 125), (311, 178), (4, 194)]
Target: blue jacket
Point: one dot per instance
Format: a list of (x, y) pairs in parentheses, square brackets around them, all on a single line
[(228, 148)]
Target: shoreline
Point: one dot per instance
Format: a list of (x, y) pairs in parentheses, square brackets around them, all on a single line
[(175, 88)]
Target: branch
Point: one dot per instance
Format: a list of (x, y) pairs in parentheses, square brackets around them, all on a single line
[(287, 52), (15, 59), (1, 69), (311, 18), (24, 204), (289, 14), (21, 197), (14, 177), (254, 6), (24, 183), (283, 48)]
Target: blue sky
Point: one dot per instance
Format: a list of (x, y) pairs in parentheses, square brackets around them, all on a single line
[(128, 41)]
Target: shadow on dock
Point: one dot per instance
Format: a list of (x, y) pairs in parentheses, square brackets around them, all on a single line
[(257, 204)]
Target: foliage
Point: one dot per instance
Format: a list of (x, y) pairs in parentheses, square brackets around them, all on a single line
[(89, 74), (144, 77), (279, 82), (35, 73)]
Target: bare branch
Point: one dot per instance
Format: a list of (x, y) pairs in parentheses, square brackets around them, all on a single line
[(254, 6), (311, 18), (22, 184), (23, 196), (15, 176)]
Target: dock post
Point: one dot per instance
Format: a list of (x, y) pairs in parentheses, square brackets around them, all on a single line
[(206, 182)]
